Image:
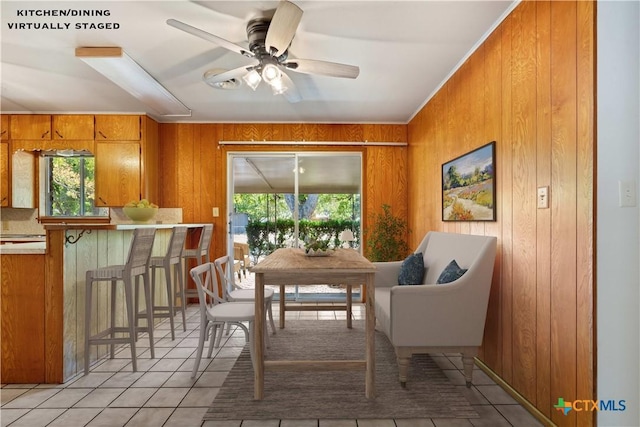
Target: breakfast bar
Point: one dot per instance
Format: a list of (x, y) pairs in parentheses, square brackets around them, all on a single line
[(43, 331)]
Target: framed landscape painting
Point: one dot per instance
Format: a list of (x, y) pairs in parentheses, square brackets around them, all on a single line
[(469, 186)]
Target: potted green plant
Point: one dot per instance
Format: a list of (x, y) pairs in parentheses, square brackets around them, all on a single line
[(386, 237)]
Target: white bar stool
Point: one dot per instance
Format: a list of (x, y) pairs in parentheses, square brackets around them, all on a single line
[(136, 266), (172, 257), (201, 255)]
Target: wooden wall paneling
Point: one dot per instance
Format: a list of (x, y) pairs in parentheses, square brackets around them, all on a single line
[(167, 165), (210, 191), (187, 173), (585, 222), (524, 198), (398, 177), (543, 398), (53, 306), (563, 202), (505, 166), (491, 353), (440, 120), (23, 324)]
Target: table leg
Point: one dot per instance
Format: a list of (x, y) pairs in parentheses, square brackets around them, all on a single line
[(258, 341), (282, 290), (349, 305), (370, 379)]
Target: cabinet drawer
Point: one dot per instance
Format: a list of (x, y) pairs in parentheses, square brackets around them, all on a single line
[(30, 126), (73, 127), (117, 128)]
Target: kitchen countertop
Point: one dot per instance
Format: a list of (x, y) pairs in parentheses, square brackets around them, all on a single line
[(15, 246), (22, 237), (23, 248), (115, 226)]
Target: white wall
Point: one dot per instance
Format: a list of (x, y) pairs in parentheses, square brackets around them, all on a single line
[(618, 244)]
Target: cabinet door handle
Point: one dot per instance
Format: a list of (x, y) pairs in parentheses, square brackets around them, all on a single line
[(44, 134), (3, 199), (102, 134), (3, 132), (102, 200), (59, 134)]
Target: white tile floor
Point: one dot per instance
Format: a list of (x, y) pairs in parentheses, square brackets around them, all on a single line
[(162, 393)]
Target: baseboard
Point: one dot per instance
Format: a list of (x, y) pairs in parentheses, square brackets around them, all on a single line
[(517, 396)]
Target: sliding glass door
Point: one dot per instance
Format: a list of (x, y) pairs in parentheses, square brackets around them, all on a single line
[(287, 200)]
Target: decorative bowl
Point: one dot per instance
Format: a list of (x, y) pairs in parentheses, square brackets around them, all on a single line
[(140, 215)]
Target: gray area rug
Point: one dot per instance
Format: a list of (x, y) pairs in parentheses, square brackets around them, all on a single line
[(336, 394)]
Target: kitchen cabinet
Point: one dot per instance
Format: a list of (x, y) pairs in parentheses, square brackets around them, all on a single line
[(73, 127), (117, 173), (4, 127), (30, 126), (4, 174), (117, 128), (23, 179)]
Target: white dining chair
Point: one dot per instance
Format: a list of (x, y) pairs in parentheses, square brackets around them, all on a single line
[(232, 292), (215, 311)]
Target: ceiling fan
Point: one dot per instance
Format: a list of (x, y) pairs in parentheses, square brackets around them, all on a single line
[(269, 41)]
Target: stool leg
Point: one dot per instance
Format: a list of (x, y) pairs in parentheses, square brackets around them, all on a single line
[(112, 353), (147, 293), (87, 322), (180, 282), (136, 306), (167, 275), (129, 297)]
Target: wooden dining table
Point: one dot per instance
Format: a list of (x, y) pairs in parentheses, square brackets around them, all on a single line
[(291, 266)]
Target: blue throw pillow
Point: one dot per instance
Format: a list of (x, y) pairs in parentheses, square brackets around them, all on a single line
[(411, 270), (451, 273)]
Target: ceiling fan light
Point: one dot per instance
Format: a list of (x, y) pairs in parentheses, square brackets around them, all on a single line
[(271, 73), (278, 87), (253, 79)]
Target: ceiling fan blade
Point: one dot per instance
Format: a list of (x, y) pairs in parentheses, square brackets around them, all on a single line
[(325, 68), (211, 78), (291, 94), (210, 37), (282, 28)]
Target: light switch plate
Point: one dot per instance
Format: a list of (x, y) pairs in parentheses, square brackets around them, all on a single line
[(627, 194), (543, 197), (216, 212)]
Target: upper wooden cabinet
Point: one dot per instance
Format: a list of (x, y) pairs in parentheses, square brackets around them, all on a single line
[(30, 126), (73, 127), (117, 128), (117, 173), (4, 129), (4, 174)]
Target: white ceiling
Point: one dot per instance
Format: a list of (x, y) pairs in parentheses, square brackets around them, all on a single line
[(405, 50)]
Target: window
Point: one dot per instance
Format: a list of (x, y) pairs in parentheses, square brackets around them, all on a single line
[(70, 186)]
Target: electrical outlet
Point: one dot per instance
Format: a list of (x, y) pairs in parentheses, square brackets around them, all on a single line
[(627, 194), (216, 212), (543, 197)]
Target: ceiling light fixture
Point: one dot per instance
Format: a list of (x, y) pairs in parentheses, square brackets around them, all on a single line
[(253, 79), (121, 69), (271, 74)]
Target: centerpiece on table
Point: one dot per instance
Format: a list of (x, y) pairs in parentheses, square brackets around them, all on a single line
[(318, 247), (141, 211)]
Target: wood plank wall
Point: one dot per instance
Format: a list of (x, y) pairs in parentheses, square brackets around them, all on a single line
[(193, 165), (529, 87)]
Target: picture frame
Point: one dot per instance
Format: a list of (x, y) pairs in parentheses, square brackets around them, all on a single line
[(469, 186)]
